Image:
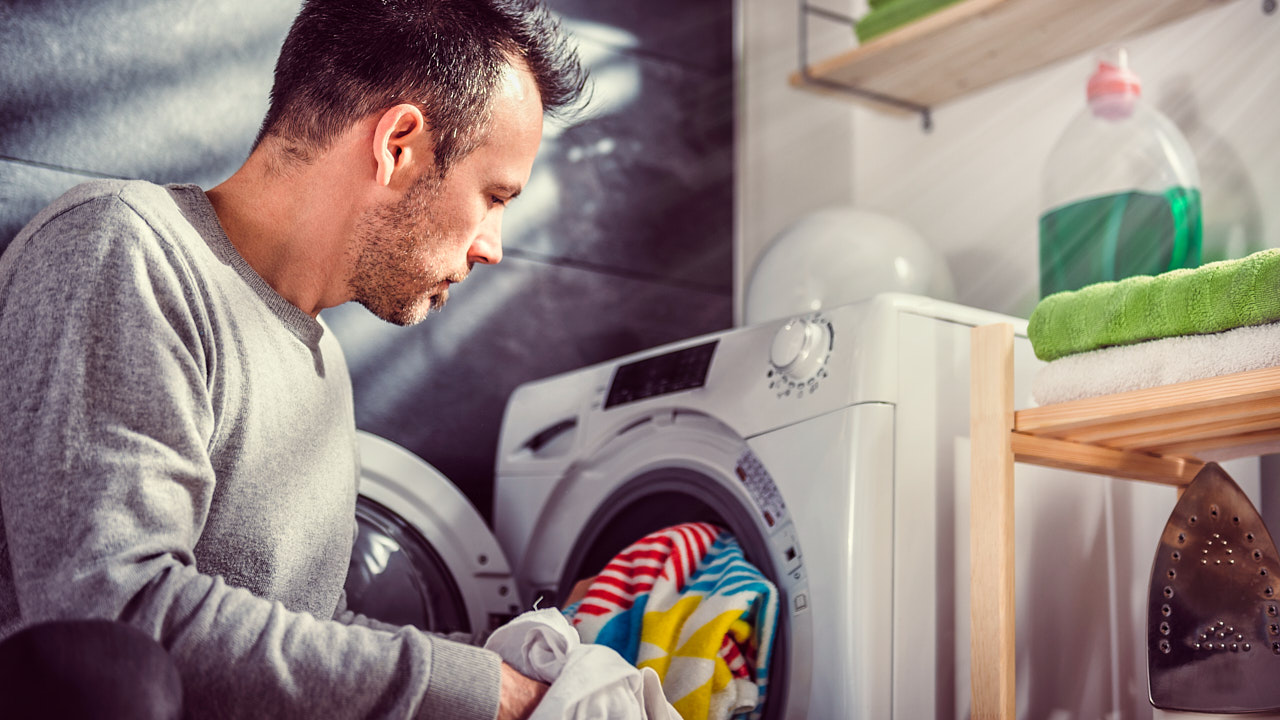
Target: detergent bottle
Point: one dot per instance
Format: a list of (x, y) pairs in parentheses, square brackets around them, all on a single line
[(1121, 189)]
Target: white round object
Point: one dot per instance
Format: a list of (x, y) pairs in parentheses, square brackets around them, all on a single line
[(840, 255)]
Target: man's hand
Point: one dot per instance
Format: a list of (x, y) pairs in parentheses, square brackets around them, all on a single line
[(520, 695), (579, 590)]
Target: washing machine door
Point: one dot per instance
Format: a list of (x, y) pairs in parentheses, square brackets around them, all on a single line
[(663, 467), (423, 555)]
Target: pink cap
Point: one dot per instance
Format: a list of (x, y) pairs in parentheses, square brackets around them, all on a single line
[(1113, 88)]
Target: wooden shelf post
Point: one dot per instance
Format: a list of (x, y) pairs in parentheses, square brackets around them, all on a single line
[(991, 584)]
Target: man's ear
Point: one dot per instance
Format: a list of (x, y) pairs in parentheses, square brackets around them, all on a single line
[(401, 140)]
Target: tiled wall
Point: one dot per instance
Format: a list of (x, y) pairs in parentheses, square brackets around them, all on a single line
[(623, 239), (155, 89)]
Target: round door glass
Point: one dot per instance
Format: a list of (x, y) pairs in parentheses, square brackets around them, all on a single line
[(397, 577)]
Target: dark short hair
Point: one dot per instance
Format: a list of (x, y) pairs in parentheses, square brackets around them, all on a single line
[(344, 60)]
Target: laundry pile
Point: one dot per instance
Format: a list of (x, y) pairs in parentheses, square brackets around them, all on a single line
[(685, 602), (587, 682), (1146, 331)]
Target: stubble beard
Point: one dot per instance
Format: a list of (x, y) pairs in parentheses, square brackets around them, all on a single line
[(397, 272)]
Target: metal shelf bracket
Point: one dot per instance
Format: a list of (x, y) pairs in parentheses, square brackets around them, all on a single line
[(806, 12)]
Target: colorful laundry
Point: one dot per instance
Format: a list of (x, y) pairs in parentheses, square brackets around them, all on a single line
[(686, 602)]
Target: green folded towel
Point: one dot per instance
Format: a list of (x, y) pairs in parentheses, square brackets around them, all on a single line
[(1208, 299), (887, 15)]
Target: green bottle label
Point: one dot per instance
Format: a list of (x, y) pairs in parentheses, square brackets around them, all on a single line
[(1113, 237)]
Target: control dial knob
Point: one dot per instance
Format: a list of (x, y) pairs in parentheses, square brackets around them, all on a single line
[(800, 348)]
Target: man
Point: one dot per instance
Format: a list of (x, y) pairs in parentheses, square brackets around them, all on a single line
[(177, 445)]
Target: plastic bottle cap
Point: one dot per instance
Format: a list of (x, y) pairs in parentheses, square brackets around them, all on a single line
[(1113, 90)]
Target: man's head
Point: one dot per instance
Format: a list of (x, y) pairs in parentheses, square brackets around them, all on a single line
[(407, 252), (345, 60), (453, 92)]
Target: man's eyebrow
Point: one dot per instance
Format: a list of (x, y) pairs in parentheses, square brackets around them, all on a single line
[(511, 191)]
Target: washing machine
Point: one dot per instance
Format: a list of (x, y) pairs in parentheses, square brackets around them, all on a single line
[(834, 446), (423, 555)]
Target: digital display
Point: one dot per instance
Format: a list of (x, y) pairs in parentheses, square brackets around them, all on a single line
[(673, 372)]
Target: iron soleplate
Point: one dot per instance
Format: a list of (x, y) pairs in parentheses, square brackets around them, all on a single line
[(1213, 618)]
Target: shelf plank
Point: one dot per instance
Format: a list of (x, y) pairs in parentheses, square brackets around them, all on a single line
[(1135, 432), (1081, 457), (1217, 433), (977, 43), (1218, 397), (1262, 442)]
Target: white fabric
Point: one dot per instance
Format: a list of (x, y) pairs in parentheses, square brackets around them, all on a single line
[(1157, 362), (588, 682)]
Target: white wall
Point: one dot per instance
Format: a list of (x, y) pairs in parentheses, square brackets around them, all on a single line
[(972, 186), (794, 148)]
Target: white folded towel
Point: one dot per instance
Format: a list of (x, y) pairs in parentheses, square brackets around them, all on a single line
[(588, 682), (1157, 362)]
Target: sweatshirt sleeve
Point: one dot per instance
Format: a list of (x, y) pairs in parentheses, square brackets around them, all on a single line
[(105, 481), (347, 616)]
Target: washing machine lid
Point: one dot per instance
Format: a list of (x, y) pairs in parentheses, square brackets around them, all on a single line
[(423, 554)]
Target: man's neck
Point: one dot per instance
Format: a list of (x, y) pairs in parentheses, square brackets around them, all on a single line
[(291, 227)]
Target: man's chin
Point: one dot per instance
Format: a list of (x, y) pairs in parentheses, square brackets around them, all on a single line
[(410, 313)]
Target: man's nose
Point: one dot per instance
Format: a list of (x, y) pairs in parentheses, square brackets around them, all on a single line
[(487, 246)]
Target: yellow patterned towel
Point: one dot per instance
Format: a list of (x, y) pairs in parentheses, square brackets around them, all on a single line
[(685, 602)]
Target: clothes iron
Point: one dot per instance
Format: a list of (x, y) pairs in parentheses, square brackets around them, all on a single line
[(1213, 618)]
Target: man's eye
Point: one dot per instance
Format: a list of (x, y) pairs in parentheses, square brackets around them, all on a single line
[(494, 199)]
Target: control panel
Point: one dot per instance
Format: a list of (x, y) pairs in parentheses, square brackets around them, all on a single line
[(798, 355), (671, 372)]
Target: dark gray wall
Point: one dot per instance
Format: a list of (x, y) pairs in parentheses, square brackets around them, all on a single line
[(622, 241)]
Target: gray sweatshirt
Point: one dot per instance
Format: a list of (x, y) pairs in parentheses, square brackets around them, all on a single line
[(177, 450)]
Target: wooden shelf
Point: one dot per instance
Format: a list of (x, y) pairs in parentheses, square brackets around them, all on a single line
[(976, 43), (1169, 429), (1162, 434)]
